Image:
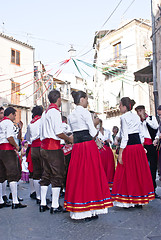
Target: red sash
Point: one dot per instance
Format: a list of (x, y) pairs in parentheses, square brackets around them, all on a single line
[(50, 144), (36, 143), (35, 119), (6, 146), (148, 141), (52, 105)]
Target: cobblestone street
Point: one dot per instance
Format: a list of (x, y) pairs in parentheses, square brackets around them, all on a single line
[(125, 224)]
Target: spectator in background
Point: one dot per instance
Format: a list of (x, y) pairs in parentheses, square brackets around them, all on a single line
[(25, 171)]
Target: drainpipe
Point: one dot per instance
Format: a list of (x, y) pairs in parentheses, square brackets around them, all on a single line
[(155, 89)]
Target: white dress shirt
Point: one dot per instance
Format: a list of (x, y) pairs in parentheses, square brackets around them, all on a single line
[(51, 124), (66, 130), (152, 121), (6, 130), (33, 131), (130, 123), (81, 119)]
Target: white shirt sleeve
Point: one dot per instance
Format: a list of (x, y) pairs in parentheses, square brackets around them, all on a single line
[(57, 125), (158, 134), (89, 122), (28, 134), (10, 130), (124, 133), (141, 133), (153, 122)]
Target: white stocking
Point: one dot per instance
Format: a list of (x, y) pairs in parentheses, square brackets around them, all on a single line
[(4, 185), (44, 190), (37, 188), (13, 186), (32, 189), (1, 199), (55, 197)]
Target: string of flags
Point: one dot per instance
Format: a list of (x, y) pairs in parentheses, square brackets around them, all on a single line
[(113, 71)]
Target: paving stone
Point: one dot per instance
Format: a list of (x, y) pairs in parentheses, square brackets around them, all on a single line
[(121, 224)]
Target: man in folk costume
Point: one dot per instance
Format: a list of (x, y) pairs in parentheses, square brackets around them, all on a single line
[(150, 128), (157, 141), (33, 136), (4, 184), (51, 152), (9, 169)]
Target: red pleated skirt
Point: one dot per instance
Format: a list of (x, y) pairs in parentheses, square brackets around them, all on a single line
[(86, 188), (133, 181), (108, 163)]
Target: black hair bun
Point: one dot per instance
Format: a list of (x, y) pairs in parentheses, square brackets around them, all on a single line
[(132, 103)]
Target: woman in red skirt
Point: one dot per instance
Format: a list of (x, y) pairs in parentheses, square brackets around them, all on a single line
[(87, 193), (107, 154), (133, 184)]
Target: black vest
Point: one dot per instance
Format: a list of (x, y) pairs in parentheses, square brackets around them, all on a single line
[(151, 130)]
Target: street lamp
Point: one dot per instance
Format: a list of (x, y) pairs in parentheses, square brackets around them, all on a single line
[(72, 51)]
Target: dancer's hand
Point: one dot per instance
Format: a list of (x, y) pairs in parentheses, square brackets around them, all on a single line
[(17, 148), (155, 142), (120, 160), (120, 156), (71, 140)]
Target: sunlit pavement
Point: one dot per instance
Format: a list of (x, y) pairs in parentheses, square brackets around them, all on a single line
[(121, 224)]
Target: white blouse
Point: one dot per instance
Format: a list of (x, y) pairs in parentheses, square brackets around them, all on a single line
[(130, 123), (81, 119), (51, 124), (33, 131), (105, 136), (6, 130)]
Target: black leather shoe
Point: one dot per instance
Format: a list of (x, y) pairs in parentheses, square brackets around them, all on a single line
[(18, 205), (157, 196), (138, 206), (88, 219), (48, 201), (19, 199), (62, 194), (10, 196), (33, 195), (2, 205), (56, 210), (64, 210), (5, 199), (38, 201), (95, 217), (43, 208)]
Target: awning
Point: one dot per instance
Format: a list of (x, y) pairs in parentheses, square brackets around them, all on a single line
[(144, 74)]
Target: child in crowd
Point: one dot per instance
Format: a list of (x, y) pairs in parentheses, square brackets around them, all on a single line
[(25, 171)]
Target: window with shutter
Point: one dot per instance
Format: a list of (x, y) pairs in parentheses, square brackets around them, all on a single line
[(15, 57)]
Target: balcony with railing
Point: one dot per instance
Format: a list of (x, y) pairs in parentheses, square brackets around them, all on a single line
[(115, 66)]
